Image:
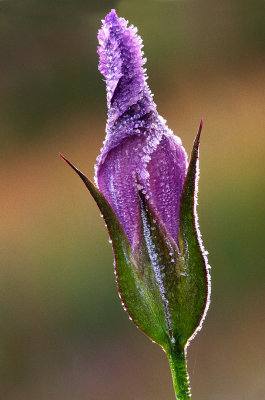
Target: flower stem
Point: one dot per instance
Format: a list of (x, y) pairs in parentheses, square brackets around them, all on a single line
[(177, 362)]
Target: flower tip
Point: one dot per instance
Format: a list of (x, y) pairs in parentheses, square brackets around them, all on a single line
[(111, 17)]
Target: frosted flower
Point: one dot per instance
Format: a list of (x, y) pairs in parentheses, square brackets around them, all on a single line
[(146, 193)]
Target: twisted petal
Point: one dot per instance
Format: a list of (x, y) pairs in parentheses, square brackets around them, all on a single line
[(138, 145), (121, 63)]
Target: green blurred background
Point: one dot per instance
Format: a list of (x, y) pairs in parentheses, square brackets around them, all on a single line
[(63, 332)]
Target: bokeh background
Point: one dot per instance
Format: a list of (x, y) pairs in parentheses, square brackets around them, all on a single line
[(63, 332)]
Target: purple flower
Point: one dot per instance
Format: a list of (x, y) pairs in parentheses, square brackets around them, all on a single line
[(147, 196), (140, 152)]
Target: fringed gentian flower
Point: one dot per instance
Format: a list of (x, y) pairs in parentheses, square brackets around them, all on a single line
[(146, 192)]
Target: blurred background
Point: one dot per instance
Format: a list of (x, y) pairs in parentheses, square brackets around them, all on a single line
[(63, 332)]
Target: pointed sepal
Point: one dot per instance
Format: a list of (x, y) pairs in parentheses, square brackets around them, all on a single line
[(135, 276), (194, 290)]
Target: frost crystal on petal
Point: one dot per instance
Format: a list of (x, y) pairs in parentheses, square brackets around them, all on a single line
[(138, 142), (121, 63)]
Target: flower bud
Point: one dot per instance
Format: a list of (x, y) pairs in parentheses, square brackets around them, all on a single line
[(146, 193)]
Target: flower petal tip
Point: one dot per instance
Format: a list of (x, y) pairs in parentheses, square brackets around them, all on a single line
[(121, 63), (111, 16)]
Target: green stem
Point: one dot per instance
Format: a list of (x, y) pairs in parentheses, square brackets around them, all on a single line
[(177, 362)]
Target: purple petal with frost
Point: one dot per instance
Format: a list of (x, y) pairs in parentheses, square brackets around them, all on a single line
[(138, 145)]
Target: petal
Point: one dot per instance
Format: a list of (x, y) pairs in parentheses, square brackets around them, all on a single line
[(167, 170), (116, 181), (138, 145), (121, 63), (160, 174)]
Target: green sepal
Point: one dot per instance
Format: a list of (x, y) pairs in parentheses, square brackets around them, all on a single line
[(194, 289), (135, 278)]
